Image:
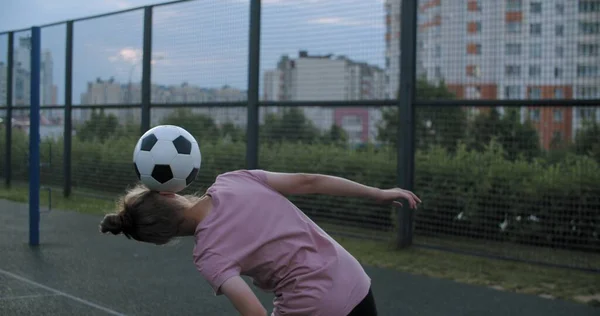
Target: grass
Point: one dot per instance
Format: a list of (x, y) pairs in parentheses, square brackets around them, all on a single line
[(505, 249), (518, 277)]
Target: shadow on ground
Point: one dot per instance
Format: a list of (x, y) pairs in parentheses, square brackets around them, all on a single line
[(78, 271)]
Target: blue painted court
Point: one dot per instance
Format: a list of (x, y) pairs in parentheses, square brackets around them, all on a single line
[(77, 271)]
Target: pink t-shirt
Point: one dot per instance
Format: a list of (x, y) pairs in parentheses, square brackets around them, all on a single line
[(253, 230)]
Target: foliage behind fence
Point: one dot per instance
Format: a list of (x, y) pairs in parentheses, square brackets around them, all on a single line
[(481, 192)]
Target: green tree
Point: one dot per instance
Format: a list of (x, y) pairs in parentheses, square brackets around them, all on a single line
[(516, 138), (231, 132), (586, 139), (291, 125), (335, 135), (99, 127), (434, 125), (202, 127)]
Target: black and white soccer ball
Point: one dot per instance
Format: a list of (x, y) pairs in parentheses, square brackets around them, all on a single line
[(167, 158)]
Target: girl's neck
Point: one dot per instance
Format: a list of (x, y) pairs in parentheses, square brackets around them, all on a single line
[(195, 214)]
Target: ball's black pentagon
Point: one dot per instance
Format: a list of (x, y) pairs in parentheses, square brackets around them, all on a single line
[(162, 173), (191, 176), (148, 142), (182, 145), (137, 171)]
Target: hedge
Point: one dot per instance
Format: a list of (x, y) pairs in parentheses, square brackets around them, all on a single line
[(465, 192)]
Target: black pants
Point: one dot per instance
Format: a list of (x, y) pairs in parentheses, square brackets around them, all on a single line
[(366, 307)]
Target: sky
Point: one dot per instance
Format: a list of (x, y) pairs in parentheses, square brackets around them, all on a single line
[(202, 42)]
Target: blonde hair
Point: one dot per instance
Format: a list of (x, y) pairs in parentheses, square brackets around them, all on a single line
[(147, 216)]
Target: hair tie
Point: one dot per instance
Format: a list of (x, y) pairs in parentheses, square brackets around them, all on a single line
[(126, 221)]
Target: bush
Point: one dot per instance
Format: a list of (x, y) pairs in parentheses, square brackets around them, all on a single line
[(464, 192)]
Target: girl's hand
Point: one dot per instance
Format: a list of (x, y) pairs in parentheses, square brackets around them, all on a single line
[(390, 196)]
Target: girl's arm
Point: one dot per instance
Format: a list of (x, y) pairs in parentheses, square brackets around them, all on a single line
[(305, 183), (242, 297)]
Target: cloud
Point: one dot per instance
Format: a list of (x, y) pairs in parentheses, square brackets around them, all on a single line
[(128, 55), (134, 56), (344, 22), (119, 4)]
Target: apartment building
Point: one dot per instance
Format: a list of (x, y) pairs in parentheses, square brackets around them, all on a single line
[(511, 49), (186, 93), (328, 78), (107, 92), (22, 78)]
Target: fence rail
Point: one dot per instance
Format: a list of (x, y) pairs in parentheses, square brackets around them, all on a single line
[(513, 178)]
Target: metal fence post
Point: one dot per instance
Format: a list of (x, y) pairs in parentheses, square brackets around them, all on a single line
[(253, 86), (406, 137), (146, 68), (34, 139), (9, 100), (68, 124)]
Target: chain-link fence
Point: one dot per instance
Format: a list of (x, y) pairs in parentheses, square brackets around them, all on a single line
[(496, 129)]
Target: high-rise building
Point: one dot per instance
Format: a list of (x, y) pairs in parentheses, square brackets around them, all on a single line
[(327, 78), (273, 85), (392, 46), (101, 92), (509, 49), (47, 93), (22, 77)]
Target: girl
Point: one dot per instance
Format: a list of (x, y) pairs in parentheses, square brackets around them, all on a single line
[(244, 225)]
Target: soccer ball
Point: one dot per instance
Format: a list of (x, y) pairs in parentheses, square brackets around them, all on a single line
[(167, 158)]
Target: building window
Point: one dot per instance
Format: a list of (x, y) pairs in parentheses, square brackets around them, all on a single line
[(535, 50), (472, 71), (535, 71), (535, 7), (473, 92), (512, 70), (559, 93), (557, 115), (351, 120), (512, 92), (560, 8), (438, 50), (586, 114), (513, 27), (558, 72), (589, 6), (437, 30), (559, 51), (587, 50), (513, 5), (474, 27), (559, 30), (474, 5), (589, 28), (474, 49), (587, 92), (535, 93), (534, 115), (587, 71), (513, 49), (535, 29), (438, 72)]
